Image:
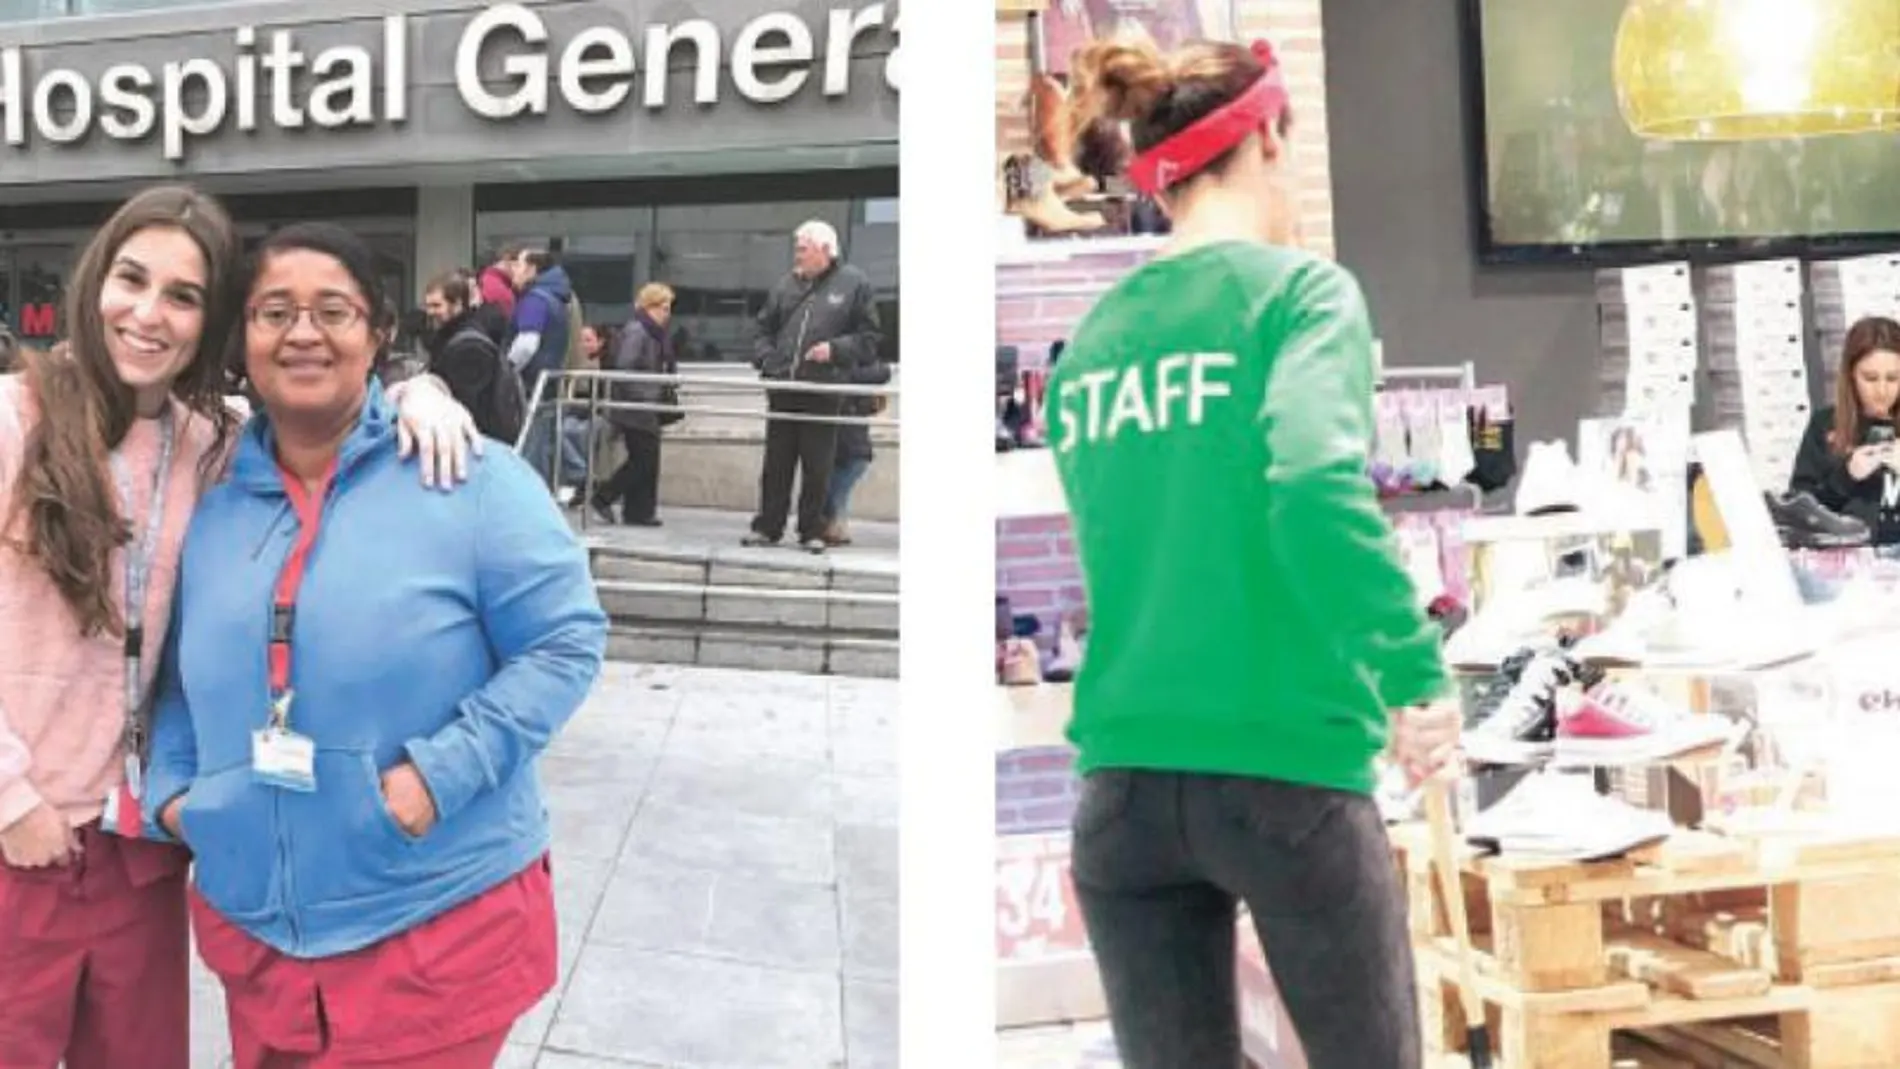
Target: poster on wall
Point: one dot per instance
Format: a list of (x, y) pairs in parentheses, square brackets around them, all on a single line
[(1068, 25), (1639, 469)]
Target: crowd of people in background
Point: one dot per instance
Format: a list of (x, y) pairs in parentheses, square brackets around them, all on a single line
[(491, 333)]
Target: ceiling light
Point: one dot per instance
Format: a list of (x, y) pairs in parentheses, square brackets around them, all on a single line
[(1740, 70)]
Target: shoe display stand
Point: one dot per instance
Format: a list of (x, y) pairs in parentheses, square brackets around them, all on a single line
[(1775, 950), (1761, 931), (1058, 182)]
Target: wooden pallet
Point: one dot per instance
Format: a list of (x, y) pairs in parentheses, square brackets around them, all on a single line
[(1683, 940)]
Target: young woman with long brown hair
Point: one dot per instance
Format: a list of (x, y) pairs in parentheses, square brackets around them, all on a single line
[(106, 443), (1848, 457), (1254, 639)]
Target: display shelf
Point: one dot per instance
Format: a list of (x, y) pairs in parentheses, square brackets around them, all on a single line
[(1464, 498), (1484, 529), (1044, 972), (1032, 715), (1059, 250), (1704, 929), (1027, 485)]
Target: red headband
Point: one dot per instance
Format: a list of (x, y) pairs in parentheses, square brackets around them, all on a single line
[(1184, 155)]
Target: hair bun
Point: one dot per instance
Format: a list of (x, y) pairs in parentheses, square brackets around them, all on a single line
[(1120, 79)]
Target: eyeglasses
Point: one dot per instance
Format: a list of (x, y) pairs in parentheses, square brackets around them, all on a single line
[(331, 316)]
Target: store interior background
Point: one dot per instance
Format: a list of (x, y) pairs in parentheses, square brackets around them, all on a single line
[(1399, 137)]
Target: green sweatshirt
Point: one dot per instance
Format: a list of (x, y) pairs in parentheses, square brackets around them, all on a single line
[(1211, 422)]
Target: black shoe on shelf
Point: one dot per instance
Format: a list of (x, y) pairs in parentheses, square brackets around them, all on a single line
[(1805, 523), (1520, 723)]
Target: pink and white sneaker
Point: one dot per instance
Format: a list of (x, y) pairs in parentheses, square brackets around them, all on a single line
[(1609, 725)]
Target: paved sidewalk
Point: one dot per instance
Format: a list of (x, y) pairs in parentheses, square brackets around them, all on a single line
[(725, 858), (1082, 1045)]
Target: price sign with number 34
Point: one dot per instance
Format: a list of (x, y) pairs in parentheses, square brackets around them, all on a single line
[(1036, 915)]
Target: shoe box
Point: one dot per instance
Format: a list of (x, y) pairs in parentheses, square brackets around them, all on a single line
[(1651, 284), (1855, 281), (1757, 282)]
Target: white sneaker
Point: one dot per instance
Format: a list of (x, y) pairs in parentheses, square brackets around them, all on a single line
[(1732, 636), (1486, 639), (1572, 595), (1520, 729), (1625, 642), (1549, 481), (1560, 816), (1510, 622)]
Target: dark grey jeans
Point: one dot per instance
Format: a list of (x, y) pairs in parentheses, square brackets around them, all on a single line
[(1160, 861)]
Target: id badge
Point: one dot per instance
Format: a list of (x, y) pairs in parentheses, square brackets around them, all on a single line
[(134, 776), (284, 759)]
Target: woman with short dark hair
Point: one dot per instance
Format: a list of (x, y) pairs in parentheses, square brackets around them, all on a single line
[(645, 347), (372, 882)]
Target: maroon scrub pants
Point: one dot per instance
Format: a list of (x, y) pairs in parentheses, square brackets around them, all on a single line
[(442, 995), (95, 959)]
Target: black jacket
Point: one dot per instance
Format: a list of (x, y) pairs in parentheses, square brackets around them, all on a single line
[(638, 351), (854, 439), (1819, 470), (495, 322), (471, 362), (838, 306)]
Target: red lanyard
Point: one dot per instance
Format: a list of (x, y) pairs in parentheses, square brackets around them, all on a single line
[(308, 504)]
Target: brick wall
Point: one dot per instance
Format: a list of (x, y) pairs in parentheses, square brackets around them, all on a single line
[(1039, 302), (1294, 28), (1036, 569), (1036, 790)]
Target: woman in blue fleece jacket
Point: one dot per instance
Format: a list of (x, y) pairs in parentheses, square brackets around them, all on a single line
[(360, 675)]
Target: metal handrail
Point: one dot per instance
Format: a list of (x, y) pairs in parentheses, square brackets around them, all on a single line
[(594, 404), (565, 379), (725, 383)]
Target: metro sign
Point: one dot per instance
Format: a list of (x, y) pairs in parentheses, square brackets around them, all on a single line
[(39, 320)]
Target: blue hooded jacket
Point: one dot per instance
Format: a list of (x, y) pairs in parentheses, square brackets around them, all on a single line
[(543, 310), (458, 631)]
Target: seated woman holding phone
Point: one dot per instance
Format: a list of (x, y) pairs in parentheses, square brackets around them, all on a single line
[(1849, 460)]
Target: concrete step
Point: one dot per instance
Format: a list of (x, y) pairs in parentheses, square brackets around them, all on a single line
[(781, 569), (741, 607), (761, 648), (750, 606)]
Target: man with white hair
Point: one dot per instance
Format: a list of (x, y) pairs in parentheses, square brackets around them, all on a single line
[(818, 323)]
